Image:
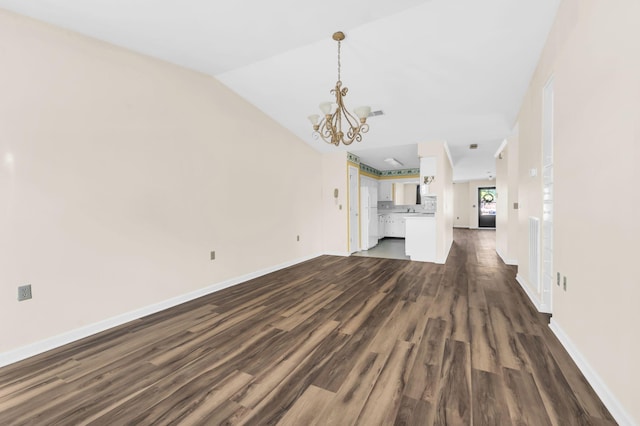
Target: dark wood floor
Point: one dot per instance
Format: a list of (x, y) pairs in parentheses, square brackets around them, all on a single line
[(332, 341)]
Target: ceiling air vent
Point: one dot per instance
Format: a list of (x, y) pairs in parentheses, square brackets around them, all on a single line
[(375, 113), (473, 146)]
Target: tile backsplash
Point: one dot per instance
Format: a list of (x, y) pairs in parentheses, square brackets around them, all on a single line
[(429, 205)]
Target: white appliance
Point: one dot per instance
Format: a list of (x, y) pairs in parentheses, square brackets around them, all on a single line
[(368, 217)]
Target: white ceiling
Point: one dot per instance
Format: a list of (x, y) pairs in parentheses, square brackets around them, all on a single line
[(453, 70)]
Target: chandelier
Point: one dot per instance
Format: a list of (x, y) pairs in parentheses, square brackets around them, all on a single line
[(329, 128)]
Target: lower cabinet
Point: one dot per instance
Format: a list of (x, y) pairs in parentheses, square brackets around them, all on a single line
[(392, 225)]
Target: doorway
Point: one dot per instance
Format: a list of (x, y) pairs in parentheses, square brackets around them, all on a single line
[(487, 207)]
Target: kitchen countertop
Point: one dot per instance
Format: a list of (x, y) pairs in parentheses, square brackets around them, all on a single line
[(408, 214)]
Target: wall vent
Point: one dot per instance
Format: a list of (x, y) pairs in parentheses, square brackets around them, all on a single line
[(376, 113), (473, 146)]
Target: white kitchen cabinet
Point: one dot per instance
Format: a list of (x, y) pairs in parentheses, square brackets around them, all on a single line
[(402, 227), (394, 225), (385, 192), (381, 223)]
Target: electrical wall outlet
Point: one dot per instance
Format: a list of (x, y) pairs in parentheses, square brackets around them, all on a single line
[(24, 292), (298, 238), (213, 255), (558, 278), (564, 283)]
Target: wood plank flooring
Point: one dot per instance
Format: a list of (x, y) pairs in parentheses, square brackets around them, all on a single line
[(332, 341)]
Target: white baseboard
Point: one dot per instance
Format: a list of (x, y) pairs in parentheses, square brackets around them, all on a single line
[(442, 261), (39, 347), (337, 253), (541, 307), (606, 396), (507, 261)]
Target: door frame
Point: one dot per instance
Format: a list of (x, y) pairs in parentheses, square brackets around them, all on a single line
[(480, 207), (353, 210)]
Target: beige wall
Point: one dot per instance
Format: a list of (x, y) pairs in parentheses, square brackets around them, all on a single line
[(442, 187), (507, 191), (120, 174), (502, 204), (511, 255), (593, 53), (335, 237), (461, 205)]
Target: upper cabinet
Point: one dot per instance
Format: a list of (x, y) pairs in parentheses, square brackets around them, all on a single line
[(385, 192)]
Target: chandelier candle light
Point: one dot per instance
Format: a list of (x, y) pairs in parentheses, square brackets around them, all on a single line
[(330, 127)]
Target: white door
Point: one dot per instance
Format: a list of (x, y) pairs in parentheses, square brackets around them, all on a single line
[(354, 225), (364, 219), (373, 217)]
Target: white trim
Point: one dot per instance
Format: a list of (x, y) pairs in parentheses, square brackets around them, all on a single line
[(502, 146), (41, 346), (507, 261), (541, 307), (337, 253), (606, 396), (446, 150), (442, 261)]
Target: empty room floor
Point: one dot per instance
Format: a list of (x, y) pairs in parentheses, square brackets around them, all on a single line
[(331, 341)]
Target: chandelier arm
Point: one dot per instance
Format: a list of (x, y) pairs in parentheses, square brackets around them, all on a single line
[(325, 132)]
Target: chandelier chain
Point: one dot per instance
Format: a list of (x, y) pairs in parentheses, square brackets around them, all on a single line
[(339, 60)]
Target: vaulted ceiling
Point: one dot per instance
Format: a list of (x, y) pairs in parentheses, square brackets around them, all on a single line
[(453, 70)]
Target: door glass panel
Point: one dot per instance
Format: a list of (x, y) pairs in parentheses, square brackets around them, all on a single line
[(487, 202)]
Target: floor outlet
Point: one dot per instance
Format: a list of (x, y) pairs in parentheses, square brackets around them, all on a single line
[(24, 292)]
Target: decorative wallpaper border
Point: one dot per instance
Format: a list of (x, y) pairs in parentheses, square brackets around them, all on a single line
[(370, 170), (353, 158), (399, 173), (381, 173)]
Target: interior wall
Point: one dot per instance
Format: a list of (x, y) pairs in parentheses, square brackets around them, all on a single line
[(513, 198), (120, 175), (442, 188), (447, 205), (335, 231), (507, 210), (502, 204), (461, 205), (593, 53)]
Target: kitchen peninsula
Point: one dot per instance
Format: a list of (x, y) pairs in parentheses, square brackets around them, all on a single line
[(420, 240)]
